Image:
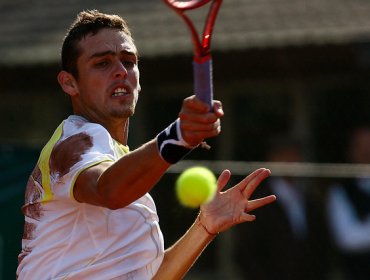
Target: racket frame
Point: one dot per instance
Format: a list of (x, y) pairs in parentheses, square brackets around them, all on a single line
[(202, 61)]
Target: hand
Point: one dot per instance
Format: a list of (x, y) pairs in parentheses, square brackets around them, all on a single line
[(197, 122), (232, 206)]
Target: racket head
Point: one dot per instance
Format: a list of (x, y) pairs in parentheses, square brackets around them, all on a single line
[(183, 5), (201, 44)]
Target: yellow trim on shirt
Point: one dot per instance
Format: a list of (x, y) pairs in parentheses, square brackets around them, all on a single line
[(44, 161), (71, 194), (121, 149)]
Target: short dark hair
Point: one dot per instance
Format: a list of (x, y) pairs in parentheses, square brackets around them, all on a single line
[(87, 22)]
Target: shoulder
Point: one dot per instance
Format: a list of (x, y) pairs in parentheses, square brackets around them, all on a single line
[(76, 125), (79, 133), (81, 143)]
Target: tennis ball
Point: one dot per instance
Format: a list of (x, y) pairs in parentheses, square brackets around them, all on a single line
[(195, 186)]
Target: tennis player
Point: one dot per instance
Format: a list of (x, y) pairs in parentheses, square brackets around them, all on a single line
[(88, 214)]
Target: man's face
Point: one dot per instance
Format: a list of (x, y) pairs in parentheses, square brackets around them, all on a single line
[(108, 83)]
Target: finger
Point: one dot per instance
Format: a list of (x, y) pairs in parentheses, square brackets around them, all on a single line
[(195, 129), (194, 138), (257, 203), (223, 179), (253, 182), (192, 103), (245, 217), (198, 117), (217, 108), (200, 124), (244, 183)]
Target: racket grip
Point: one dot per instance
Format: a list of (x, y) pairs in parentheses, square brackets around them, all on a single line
[(203, 82)]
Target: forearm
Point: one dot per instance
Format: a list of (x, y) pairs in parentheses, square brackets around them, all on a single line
[(117, 184), (179, 258), (133, 175)]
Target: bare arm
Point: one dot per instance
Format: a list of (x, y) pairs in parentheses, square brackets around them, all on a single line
[(116, 185), (224, 211), (180, 257)]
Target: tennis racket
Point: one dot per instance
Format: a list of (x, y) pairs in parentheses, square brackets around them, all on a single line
[(202, 61)]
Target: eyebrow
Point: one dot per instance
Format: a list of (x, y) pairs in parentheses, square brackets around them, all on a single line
[(110, 52)]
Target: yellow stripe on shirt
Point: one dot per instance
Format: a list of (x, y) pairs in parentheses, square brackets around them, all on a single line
[(44, 163)]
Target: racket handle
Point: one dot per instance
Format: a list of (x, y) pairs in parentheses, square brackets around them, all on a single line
[(203, 82)]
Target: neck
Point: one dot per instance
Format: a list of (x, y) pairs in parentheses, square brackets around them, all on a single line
[(119, 131)]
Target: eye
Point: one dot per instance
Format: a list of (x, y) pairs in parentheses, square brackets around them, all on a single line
[(129, 63), (102, 63), (129, 60)]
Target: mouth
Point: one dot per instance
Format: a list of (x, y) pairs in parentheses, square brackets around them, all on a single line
[(120, 92)]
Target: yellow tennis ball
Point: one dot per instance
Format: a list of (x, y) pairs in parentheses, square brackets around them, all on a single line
[(195, 186)]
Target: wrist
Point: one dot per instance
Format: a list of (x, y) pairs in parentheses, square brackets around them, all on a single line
[(200, 223), (171, 145)]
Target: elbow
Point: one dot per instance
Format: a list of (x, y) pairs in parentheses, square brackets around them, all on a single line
[(114, 199), (113, 202), (113, 206)]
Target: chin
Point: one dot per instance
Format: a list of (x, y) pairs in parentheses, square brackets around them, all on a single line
[(124, 114)]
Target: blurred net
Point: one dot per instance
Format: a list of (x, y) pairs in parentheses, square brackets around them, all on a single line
[(293, 169)]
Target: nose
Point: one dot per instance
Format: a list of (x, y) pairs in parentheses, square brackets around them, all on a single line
[(120, 70)]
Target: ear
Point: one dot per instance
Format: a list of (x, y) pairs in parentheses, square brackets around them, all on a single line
[(68, 83)]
